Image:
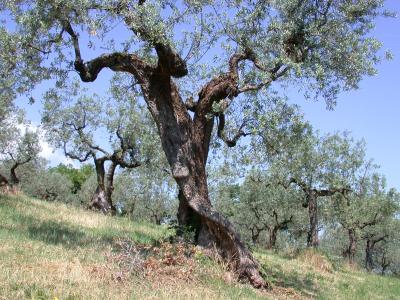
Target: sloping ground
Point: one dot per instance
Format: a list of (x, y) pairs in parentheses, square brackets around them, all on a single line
[(54, 251)]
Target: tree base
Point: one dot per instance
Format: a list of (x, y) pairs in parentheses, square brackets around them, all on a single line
[(216, 235), (100, 203)]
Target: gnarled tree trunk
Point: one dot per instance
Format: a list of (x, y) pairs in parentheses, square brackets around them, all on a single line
[(255, 234), (351, 250), (14, 180), (109, 185), (185, 143), (312, 234), (370, 244), (272, 234), (274, 229), (101, 199), (369, 263), (13, 184)]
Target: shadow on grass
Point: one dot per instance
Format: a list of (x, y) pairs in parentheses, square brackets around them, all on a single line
[(67, 235), (302, 283), (55, 233)]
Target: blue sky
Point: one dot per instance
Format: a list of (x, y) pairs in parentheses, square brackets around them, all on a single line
[(372, 112)]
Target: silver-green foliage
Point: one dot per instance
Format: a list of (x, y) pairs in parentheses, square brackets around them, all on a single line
[(325, 45)]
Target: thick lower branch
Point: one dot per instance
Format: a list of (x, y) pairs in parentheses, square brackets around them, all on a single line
[(117, 61)]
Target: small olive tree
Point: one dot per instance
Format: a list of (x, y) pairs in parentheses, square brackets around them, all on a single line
[(19, 147), (111, 132)]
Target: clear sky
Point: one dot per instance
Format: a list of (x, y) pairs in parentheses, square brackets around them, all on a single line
[(372, 112)]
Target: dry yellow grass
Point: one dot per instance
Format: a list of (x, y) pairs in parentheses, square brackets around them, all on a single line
[(315, 260), (55, 251)]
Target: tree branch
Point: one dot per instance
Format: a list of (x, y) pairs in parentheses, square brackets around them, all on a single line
[(230, 142), (191, 105), (369, 223), (331, 192), (123, 62), (273, 77), (76, 157), (306, 189)]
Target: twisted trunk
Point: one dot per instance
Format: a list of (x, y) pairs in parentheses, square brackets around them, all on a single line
[(351, 250), (14, 180), (312, 234), (101, 199), (369, 264), (185, 143), (369, 250), (272, 237)]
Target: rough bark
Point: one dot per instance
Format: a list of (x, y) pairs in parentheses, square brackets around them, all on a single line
[(101, 199), (272, 234), (109, 184), (312, 234), (185, 143), (370, 244), (351, 250), (369, 263)]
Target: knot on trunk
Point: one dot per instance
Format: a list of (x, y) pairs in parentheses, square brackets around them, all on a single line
[(83, 72), (180, 171), (170, 61)]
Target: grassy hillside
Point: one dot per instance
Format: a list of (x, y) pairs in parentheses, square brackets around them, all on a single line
[(54, 251)]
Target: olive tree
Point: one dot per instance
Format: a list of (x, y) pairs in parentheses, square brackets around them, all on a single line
[(19, 148), (267, 209), (362, 210), (49, 186), (387, 252), (146, 194), (322, 45), (320, 167), (77, 123)]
